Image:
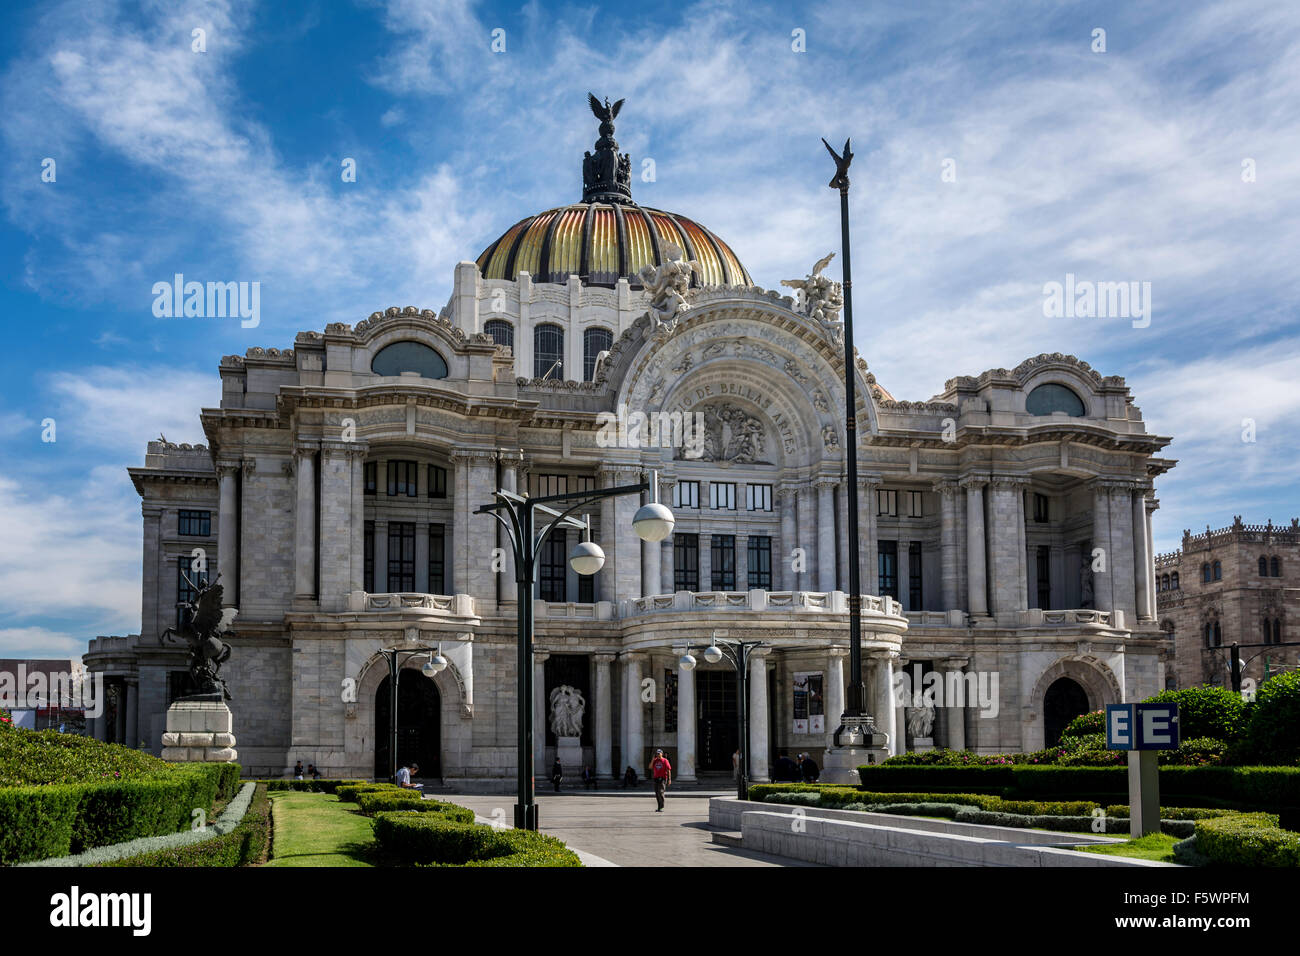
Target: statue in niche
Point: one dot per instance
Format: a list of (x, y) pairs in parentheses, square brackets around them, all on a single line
[(920, 721), (731, 434), (567, 709)]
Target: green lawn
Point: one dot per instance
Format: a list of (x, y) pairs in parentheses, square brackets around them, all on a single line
[(317, 829), (1154, 846)]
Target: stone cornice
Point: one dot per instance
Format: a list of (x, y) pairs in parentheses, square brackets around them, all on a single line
[(973, 481)]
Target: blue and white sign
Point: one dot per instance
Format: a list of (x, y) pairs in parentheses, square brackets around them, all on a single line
[(1142, 727)]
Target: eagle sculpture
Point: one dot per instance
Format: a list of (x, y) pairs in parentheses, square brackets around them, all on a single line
[(603, 111)]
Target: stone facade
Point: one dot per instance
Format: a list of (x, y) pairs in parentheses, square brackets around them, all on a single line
[(997, 543), (1240, 584)]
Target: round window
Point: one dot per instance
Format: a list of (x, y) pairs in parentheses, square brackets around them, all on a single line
[(1049, 398), (409, 357)]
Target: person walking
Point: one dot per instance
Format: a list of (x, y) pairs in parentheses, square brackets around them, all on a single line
[(662, 772), (557, 774)]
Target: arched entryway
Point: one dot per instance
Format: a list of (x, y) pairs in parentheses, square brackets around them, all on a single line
[(419, 730), (1064, 701)]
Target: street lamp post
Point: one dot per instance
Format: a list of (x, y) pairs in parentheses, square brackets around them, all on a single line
[(393, 655), (517, 514), (738, 653)]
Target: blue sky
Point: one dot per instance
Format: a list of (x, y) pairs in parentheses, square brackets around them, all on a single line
[(1123, 165)]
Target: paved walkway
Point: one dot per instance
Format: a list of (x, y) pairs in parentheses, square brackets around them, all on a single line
[(623, 827)]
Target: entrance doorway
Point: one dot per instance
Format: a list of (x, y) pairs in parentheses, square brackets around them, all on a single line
[(1064, 701), (717, 733), (419, 737)]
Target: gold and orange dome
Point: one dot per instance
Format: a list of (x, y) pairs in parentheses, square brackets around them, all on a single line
[(603, 242)]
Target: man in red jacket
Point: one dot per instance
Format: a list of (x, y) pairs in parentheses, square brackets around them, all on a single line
[(662, 772)]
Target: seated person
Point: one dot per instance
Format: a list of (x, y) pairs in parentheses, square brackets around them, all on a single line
[(785, 770), (809, 769)]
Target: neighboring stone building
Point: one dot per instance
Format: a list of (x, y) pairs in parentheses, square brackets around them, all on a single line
[(1241, 585), (336, 493)]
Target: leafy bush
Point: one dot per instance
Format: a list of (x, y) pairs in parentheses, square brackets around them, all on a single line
[(37, 822), (244, 845), (432, 838), (1206, 712), (1086, 725), (1198, 752), (6, 719), (1271, 733), (1247, 839), (378, 802), (47, 756), (311, 786), (349, 792)]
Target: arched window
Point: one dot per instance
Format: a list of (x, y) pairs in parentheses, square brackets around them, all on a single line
[(1277, 630), (1205, 572), (548, 352), (502, 332), (1263, 566), (1275, 567), (1164, 582), (1209, 634), (1173, 581), (1049, 398), (594, 341), (409, 357), (1218, 571)]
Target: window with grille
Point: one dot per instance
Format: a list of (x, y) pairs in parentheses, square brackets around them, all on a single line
[(686, 562), (759, 553), (758, 497), (914, 595), (722, 562), (548, 352), (722, 495), (401, 478), (594, 341), (195, 522), (686, 494), (401, 556), (886, 502), (502, 332), (914, 509), (437, 485), (371, 471), (555, 553), (888, 562), (437, 559)]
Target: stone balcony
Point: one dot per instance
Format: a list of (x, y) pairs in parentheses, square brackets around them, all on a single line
[(452, 605), (758, 600)]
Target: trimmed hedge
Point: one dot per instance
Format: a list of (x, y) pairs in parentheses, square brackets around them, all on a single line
[(372, 803), (246, 844), (1273, 788), (311, 786), (31, 757), (433, 839), (349, 792), (37, 822), (1247, 839)]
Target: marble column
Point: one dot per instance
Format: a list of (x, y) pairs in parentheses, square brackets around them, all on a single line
[(835, 690), (606, 577), (977, 598), (948, 491), (542, 769), (357, 520), (634, 752), (339, 489), (1150, 505), (825, 487), (758, 742), (1103, 595), (604, 718), (1007, 580), (900, 716), (228, 531), (1123, 572), (904, 576), (787, 502), (886, 714), (868, 549), (304, 527), (381, 557), (1141, 556), (742, 562), (686, 755), (807, 538), (651, 565), (955, 715), (1022, 547), (457, 555), (667, 580)]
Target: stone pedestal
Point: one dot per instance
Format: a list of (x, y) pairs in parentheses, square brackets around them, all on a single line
[(922, 743), (840, 764), (199, 730), (568, 751)]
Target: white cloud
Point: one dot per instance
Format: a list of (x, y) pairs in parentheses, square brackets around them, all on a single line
[(35, 643)]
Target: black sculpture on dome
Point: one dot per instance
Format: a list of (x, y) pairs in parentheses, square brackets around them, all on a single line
[(606, 176)]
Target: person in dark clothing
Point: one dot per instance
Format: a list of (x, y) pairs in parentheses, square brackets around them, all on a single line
[(809, 769), (786, 770), (297, 770), (588, 778), (312, 771), (557, 774), (629, 778)]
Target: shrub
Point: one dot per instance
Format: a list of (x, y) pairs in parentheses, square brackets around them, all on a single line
[(244, 845), (1271, 733), (47, 756), (1086, 725), (1247, 839), (311, 786), (434, 839), (349, 792), (1206, 712), (1198, 752), (37, 822), (6, 719), (377, 802)]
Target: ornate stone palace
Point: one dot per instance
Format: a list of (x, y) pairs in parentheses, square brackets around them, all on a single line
[(1240, 584), (1005, 546)]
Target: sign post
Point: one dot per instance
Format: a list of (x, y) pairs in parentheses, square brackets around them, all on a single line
[(1143, 730)]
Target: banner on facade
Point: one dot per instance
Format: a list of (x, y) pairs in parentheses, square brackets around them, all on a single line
[(809, 706)]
